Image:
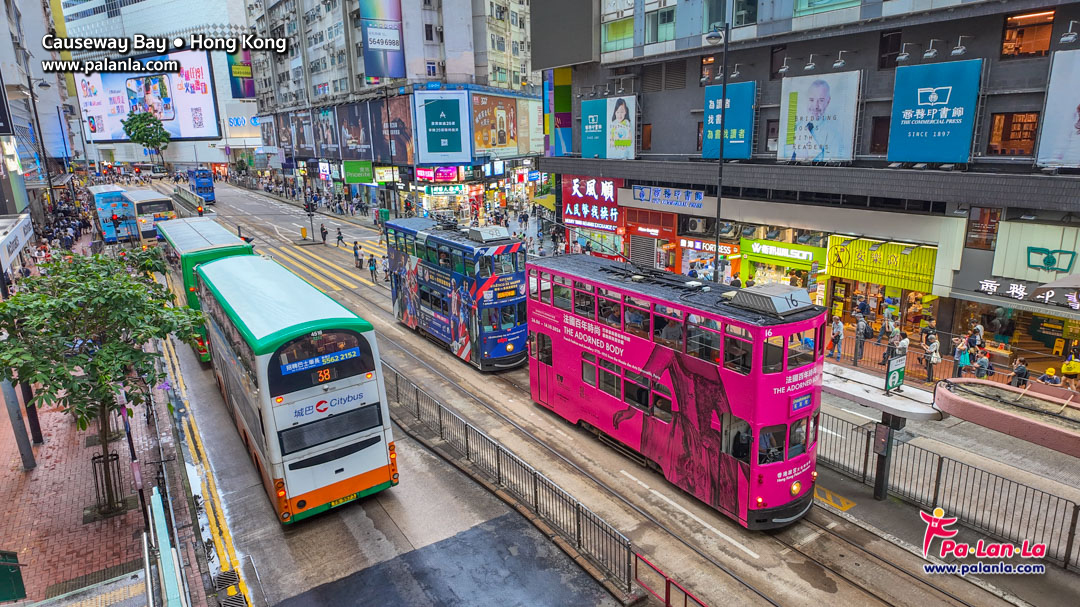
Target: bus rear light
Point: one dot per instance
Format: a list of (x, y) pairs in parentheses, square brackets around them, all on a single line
[(191, 289), (394, 477), (369, 375), (279, 399), (281, 493)]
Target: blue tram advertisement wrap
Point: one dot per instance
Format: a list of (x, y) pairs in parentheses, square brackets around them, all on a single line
[(115, 213), (201, 183), (463, 287)]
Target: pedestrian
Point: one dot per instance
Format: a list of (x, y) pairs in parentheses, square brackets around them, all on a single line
[(323, 232), (1020, 374), (1069, 372), (891, 346), (357, 252), (930, 330), (887, 326), (902, 345), (932, 356), (983, 368), (863, 307), (372, 267), (861, 329), (1049, 378), (961, 356), (386, 268), (975, 339), (735, 282), (837, 337), (340, 238), (749, 282)]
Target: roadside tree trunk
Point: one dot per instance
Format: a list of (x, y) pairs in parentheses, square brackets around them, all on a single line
[(103, 435)]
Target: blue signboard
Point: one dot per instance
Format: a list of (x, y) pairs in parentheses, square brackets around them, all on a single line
[(801, 402), (738, 131), (592, 128), (933, 115), (319, 361), (534, 175)]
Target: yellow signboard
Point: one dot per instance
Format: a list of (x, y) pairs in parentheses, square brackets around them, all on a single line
[(547, 201), (892, 264)]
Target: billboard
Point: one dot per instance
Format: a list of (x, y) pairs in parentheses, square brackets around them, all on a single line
[(268, 129), (357, 171), (184, 101), (530, 127), (284, 125), (303, 134), (1059, 144), (442, 117), (738, 131), (933, 112), (355, 126), (397, 132), (494, 125), (817, 117), (240, 80), (240, 119), (324, 123), (607, 128), (591, 202), (380, 21)]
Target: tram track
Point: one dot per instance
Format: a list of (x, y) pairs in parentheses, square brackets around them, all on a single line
[(513, 380)]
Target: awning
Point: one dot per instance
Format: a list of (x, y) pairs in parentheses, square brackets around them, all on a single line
[(61, 181), (1017, 304)]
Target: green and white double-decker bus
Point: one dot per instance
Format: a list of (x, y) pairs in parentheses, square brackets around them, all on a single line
[(188, 243), (302, 378)]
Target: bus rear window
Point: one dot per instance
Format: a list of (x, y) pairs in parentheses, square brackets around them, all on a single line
[(318, 358), (330, 428), (154, 206)]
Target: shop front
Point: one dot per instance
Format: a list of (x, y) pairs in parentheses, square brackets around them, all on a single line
[(695, 257), (650, 238), (798, 265), (892, 276), (591, 214), (18, 231)]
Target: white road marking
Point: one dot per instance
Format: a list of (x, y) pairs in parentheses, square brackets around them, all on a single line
[(278, 230), (563, 434), (718, 533), (631, 477), (813, 536), (860, 415), (831, 525), (830, 432)]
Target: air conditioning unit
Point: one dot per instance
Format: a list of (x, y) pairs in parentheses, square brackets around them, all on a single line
[(696, 225)]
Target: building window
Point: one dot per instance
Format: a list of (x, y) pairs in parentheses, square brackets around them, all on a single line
[(618, 35), (879, 135), (514, 48), (745, 12), (708, 66), (779, 53), (1027, 35), (1012, 134), (714, 15), (888, 49), (772, 134), (432, 69), (660, 25), (429, 32), (982, 228), (700, 132), (646, 137)]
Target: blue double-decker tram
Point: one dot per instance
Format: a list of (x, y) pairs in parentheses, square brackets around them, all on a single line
[(201, 183), (463, 287)]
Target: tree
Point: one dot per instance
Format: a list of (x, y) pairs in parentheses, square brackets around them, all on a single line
[(146, 130), (241, 165), (79, 331)]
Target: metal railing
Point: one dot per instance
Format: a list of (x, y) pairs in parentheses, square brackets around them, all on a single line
[(997, 506), (658, 584), (593, 537)]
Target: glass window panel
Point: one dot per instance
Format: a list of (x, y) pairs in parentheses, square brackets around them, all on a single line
[(668, 311), (798, 354), (772, 355), (637, 321), (771, 444), (508, 316), (562, 296), (609, 382), (635, 395), (668, 332), (609, 313), (588, 372), (738, 355), (522, 313), (737, 331), (797, 438), (702, 343), (585, 305), (661, 407)]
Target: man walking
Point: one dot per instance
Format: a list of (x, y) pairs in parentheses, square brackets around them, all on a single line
[(357, 252), (860, 337), (372, 267), (323, 232), (386, 268), (340, 238), (837, 337)]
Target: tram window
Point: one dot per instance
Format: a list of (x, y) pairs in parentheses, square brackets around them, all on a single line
[(585, 304), (661, 403), (588, 368), (459, 261), (490, 318), (522, 313), (562, 296), (702, 343), (444, 256), (580, 286), (667, 311), (609, 378), (641, 303), (485, 267), (737, 331), (532, 344), (470, 266), (445, 306), (741, 438), (545, 287), (667, 331), (534, 284), (521, 259), (503, 264), (410, 242), (738, 355), (637, 320), (798, 354), (609, 313), (508, 317), (610, 294), (820, 341), (771, 444), (710, 323), (772, 355), (543, 345), (634, 394), (797, 438), (424, 300), (814, 428)]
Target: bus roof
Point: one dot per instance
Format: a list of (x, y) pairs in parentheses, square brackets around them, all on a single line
[(437, 229), (270, 305), (144, 195), (196, 234), (761, 305), (107, 188)]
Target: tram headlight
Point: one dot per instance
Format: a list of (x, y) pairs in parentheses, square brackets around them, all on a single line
[(509, 347), (796, 487)]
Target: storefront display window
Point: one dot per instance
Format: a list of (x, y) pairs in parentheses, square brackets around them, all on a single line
[(982, 228), (1012, 134)]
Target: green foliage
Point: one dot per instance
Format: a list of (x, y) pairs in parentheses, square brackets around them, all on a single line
[(146, 130), (241, 165), (150, 259), (80, 331)]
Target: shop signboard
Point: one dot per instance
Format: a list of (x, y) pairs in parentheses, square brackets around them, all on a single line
[(817, 117), (674, 198), (15, 241), (782, 253), (589, 202), (445, 190), (446, 174), (1059, 143), (1025, 291), (738, 128), (494, 125), (607, 128), (498, 168), (385, 174), (425, 174), (891, 264), (380, 22), (933, 111), (534, 175), (358, 171), (241, 120), (709, 246), (442, 117)]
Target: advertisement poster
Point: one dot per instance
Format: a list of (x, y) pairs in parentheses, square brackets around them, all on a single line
[(443, 117), (933, 112), (380, 148), (495, 125), (240, 120), (817, 117), (358, 171), (380, 21), (284, 125), (268, 129), (326, 135), (591, 202), (240, 80), (303, 134), (184, 101), (397, 133), (355, 127), (738, 131), (1059, 144), (530, 127), (607, 129)]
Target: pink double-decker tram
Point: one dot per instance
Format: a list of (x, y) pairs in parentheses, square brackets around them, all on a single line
[(717, 387)]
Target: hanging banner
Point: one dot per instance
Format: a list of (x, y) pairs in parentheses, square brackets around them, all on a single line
[(380, 21), (443, 118), (738, 131), (933, 112), (817, 117), (326, 133), (355, 127), (1059, 144), (607, 128)]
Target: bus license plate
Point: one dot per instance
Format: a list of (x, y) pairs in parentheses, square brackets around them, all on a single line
[(342, 500)]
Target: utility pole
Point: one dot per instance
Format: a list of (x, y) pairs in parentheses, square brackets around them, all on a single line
[(715, 37)]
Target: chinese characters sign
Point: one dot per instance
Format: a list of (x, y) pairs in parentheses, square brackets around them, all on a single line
[(933, 113), (1015, 290), (590, 202), (891, 264), (738, 129), (673, 197)]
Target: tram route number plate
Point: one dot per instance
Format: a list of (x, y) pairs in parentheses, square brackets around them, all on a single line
[(894, 375), (341, 500)]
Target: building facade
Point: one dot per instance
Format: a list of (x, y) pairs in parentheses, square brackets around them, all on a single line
[(873, 149)]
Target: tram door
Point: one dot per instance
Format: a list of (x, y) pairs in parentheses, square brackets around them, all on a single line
[(545, 374)]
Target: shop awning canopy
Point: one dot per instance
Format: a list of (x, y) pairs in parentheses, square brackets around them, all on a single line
[(1069, 283), (1017, 304)]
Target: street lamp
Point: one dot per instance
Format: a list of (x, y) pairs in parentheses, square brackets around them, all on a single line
[(44, 85), (716, 36)]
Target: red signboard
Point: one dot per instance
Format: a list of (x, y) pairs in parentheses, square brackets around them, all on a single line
[(590, 202), (425, 174)]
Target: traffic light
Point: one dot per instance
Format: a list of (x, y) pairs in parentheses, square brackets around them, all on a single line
[(199, 209), (115, 220)]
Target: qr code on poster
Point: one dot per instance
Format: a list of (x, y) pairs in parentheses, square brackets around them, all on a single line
[(196, 117)]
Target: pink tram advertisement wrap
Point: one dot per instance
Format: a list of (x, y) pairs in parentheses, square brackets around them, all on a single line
[(717, 387)]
